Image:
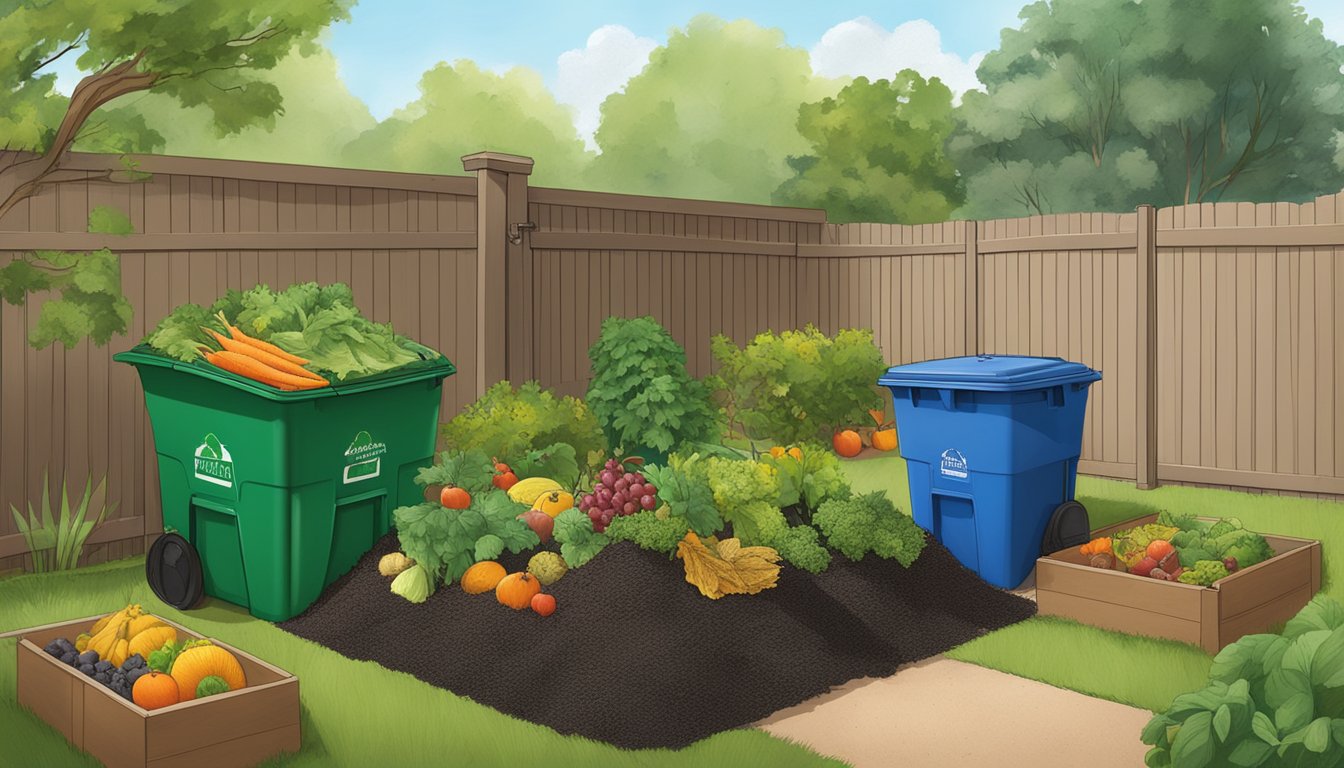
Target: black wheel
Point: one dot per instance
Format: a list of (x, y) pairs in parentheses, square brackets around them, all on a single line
[(173, 570), (1068, 527)]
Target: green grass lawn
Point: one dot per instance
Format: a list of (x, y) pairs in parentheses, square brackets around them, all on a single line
[(1139, 671), (354, 713)]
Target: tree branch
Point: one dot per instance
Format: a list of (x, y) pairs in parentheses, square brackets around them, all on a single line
[(92, 92), (78, 42)]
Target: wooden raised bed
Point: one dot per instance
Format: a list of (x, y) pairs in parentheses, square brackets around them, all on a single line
[(1250, 601), (237, 728)]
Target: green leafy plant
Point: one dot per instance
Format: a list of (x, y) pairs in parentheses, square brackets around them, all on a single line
[(57, 543), (556, 461), (870, 523), (797, 386), (641, 393), (318, 322), (805, 485), (507, 423), (579, 543), (801, 547), (683, 487), (1271, 700), (91, 304), (469, 470), (649, 530), (746, 493), (446, 542)]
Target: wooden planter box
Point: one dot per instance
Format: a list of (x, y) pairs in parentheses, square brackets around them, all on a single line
[(237, 728), (1250, 601)]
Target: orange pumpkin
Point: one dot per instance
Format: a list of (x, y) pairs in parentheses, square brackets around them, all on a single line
[(847, 443), (155, 690), (455, 498), (517, 589), (884, 440), (482, 577), (195, 664)]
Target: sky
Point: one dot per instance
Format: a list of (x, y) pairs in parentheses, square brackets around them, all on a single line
[(587, 50)]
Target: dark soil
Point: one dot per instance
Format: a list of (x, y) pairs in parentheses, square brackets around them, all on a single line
[(636, 657)]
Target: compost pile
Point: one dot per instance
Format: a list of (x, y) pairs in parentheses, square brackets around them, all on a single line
[(637, 657)]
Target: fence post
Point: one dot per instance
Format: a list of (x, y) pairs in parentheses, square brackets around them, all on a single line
[(1145, 444), (503, 305), (972, 287)]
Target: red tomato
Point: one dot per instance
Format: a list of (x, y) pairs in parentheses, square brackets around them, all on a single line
[(543, 604), (1159, 549)]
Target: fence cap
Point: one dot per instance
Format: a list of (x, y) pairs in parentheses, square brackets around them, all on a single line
[(989, 373), (497, 161)]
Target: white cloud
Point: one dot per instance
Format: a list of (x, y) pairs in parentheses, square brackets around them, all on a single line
[(862, 47), (585, 76)]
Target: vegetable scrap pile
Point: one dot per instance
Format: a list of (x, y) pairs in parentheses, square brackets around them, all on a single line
[(310, 327), (1180, 548), (613, 662)]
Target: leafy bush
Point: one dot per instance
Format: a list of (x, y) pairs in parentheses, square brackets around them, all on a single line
[(579, 543), (1271, 700), (649, 531), (799, 385), (641, 393), (683, 486), (746, 493), (507, 423), (446, 542), (805, 485), (801, 547), (870, 523)]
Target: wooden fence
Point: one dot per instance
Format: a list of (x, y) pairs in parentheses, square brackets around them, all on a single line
[(1219, 328)]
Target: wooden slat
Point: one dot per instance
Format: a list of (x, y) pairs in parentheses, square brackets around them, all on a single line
[(1177, 600), (236, 241), (570, 197), (1120, 618), (1266, 582), (1063, 242), (1282, 481)]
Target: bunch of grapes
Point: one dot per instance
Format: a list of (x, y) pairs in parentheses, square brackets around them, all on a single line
[(120, 679), (617, 493)]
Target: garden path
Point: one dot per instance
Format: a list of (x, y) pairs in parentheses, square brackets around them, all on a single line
[(940, 712)]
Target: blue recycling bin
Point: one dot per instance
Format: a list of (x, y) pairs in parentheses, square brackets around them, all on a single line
[(991, 445)]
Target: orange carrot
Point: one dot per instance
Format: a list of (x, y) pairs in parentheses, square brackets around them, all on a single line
[(259, 344), (258, 371), (274, 361)]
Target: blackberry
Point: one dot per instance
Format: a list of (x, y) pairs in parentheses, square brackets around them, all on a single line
[(88, 657), (103, 666)]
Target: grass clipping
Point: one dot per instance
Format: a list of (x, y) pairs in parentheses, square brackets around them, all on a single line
[(726, 567)]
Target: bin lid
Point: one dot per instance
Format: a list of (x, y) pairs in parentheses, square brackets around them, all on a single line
[(989, 373), (429, 367)]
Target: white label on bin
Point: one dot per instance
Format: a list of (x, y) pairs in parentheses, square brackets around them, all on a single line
[(954, 464), (363, 458), (213, 463)]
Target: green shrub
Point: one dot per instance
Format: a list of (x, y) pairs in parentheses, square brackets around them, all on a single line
[(649, 531), (805, 485), (1271, 700), (870, 523), (641, 392), (799, 385), (507, 423), (801, 547)]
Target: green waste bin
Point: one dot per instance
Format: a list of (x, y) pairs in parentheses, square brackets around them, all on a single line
[(280, 493)]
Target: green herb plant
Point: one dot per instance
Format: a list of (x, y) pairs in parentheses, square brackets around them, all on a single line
[(579, 543), (446, 542), (1271, 700), (683, 487), (650, 530), (57, 543), (508, 423), (796, 386), (641, 393), (870, 523), (805, 485)]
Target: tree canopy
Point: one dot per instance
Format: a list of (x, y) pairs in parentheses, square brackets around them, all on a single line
[(200, 53), (1105, 104), (464, 109), (319, 118), (877, 153), (714, 114)]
